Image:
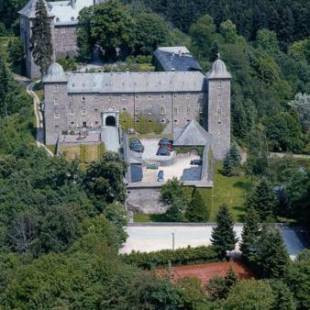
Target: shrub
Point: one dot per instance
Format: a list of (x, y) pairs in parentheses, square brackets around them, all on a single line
[(183, 256)]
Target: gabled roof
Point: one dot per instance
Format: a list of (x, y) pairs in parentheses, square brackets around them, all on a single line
[(193, 134), (176, 58), (65, 12), (29, 10)]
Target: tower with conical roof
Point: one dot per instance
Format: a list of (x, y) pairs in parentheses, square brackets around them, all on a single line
[(219, 108)]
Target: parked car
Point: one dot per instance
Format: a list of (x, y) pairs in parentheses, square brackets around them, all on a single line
[(136, 145), (163, 150), (196, 162), (160, 176), (166, 142)]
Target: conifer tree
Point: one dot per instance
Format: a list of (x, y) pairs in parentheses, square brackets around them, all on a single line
[(4, 87), (232, 161), (197, 211), (263, 200), (227, 166), (272, 258), (250, 235), (223, 236), (41, 40), (235, 156)]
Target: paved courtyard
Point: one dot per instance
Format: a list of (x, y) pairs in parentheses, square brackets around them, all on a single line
[(155, 237), (179, 168)]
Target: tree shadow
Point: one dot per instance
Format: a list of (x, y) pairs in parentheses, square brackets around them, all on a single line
[(247, 186)]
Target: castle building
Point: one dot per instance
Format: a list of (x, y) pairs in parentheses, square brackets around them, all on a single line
[(64, 21), (80, 101)]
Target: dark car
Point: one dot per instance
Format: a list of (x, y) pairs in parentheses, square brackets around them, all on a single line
[(136, 173), (136, 145), (164, 141), (160, 176), (196, 162), (163, 150)]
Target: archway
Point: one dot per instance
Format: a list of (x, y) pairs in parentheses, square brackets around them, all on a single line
[(110, 121)]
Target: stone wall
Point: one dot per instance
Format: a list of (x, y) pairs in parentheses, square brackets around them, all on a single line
[(219, 116), (72, 111), (65, 41)]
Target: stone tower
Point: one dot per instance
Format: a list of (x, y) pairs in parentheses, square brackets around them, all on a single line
[(27, 16), (219, 110)]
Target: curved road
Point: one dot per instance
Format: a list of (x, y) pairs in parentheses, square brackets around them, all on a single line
[(39, 118)]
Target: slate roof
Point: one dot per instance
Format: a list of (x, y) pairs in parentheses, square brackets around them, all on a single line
[(65, 12), (136, 82), (176, 58), (193, 134)]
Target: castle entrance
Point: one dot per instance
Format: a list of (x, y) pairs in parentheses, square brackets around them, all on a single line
[(110, 121)]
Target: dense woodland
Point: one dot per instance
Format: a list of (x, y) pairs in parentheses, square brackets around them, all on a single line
[(61, 224)]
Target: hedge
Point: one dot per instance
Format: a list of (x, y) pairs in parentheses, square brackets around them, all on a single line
[(183, 256)]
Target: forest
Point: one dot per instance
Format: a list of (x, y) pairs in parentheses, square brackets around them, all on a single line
[(62, 224)]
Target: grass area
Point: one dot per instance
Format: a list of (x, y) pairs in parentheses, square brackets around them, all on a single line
[(142, 218), (84, 153), (229, 190)]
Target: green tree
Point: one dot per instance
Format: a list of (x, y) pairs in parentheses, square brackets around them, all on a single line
[(16, 53), (219, 287), (202, 33), (271, 259), (250, 294), (41, 39), (250, 235), (5, 78), (268, 41), (284, 298), (263, 200), (223, 236), (229, 31), (298, 280), (150, 31), (197, 210), (108, 25), (171, 190), (232, 161), (176, 211)]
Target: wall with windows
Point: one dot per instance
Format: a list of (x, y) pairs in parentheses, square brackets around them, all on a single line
[(69, 112)]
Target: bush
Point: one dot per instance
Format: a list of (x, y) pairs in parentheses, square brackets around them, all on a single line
[(183, 256)]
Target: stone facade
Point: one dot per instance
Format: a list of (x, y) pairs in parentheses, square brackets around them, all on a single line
[(78, 101), (64, 22)]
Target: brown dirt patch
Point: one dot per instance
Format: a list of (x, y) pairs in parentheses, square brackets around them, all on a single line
[(205, 272)]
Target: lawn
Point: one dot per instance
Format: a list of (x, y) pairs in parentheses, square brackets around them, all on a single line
[(85, 153), (229, 190)]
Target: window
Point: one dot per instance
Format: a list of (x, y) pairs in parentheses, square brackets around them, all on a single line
[(55, 101), (162, 96), (162, 111), (96, 122), (56, 115), (188, 109), (56, 126), (175, 120), (163, 121), (83, 112), (124, 109), (175, 111), (83, 99), (96, 110), (84, 124), (72, 123)]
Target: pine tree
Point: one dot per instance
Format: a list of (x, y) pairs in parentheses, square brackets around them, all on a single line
[(250, 235), (197, 211), (223, 236), (272, 258), (5, 78), (235, 156), (232, 161), (227, 166), (41, 40), (263, 200)]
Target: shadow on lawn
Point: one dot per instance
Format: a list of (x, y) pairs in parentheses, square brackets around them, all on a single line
[(245, 185)]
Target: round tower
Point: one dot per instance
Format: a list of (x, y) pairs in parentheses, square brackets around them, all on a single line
[(219, 108)]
